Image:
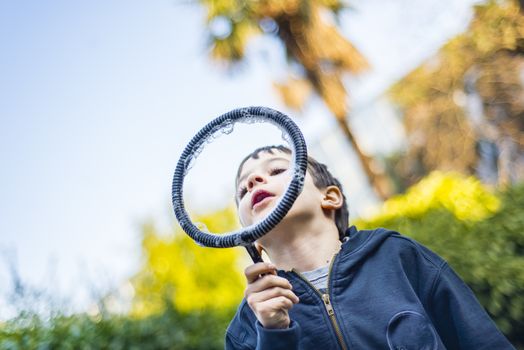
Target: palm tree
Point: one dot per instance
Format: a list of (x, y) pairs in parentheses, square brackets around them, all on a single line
[(313, 44)]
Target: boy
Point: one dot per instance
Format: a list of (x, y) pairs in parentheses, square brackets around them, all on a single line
[(329, 287)]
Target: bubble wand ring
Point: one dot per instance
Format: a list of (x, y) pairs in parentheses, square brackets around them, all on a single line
[(224, 124)]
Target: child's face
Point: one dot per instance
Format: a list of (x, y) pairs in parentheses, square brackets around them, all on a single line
[(263, 181)]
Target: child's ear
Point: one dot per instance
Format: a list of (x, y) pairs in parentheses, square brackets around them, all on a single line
[(333, 198)]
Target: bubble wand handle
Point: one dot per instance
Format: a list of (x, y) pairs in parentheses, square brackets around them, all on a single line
[(253, 253)]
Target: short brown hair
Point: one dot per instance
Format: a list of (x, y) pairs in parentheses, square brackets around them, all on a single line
[(322, 178)]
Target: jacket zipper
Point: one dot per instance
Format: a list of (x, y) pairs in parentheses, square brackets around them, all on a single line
[(327, 304)]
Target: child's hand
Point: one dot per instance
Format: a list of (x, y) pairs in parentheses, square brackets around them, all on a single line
[(268, 295)]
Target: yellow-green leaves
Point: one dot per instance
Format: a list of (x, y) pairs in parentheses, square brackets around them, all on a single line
[(191, 277), (465, 197)]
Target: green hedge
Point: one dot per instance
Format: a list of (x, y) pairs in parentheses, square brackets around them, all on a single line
[(169, 330), (487, 254)]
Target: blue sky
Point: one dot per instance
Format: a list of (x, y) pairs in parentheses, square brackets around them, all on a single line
[(98, 98)]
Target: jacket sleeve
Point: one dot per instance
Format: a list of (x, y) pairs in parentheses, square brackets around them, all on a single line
[(278, 339), (460, 320), (233, 343), (267, 339)]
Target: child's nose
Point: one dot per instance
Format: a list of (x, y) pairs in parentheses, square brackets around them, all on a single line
[(253, 180)]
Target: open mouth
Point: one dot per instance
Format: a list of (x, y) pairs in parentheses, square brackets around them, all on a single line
[(259, 196)]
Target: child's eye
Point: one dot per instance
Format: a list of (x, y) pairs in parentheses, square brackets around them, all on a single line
[(276, 171), (242, 192)]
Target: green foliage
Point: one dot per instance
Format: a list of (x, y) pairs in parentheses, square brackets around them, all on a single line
[(175, 268), (184, 298), (168, 330), (488, 253), (466, 198)]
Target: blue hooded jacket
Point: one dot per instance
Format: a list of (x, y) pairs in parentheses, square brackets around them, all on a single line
[(385, 291)]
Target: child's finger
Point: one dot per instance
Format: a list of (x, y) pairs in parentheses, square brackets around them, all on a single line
[(269, 307), (273, 313), (267, 281), (272, 293), (254, 271)]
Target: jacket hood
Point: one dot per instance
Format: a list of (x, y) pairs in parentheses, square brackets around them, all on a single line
[(364, 241)]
